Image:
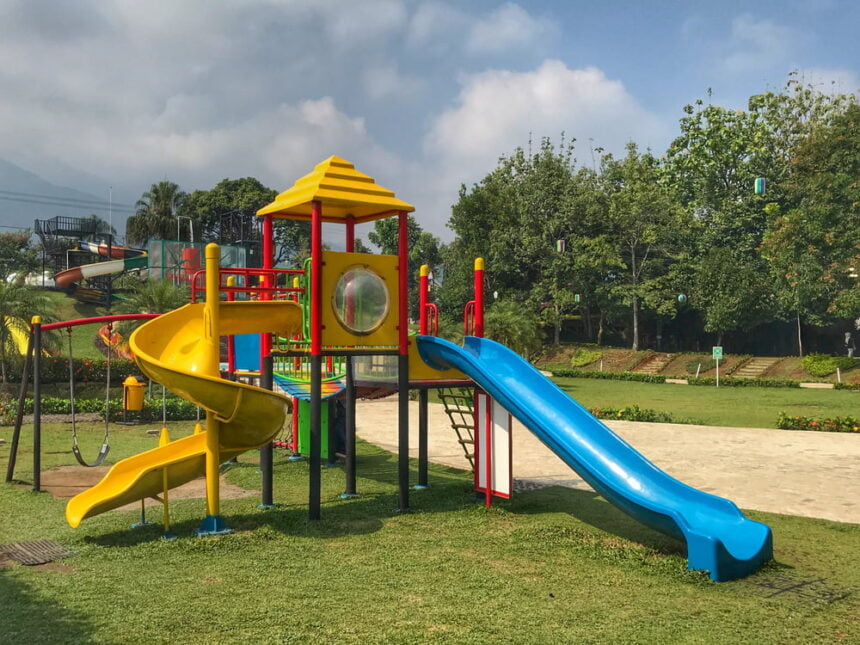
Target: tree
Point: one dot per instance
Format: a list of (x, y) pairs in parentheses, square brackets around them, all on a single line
[(151, 297), (18, 305), (206, 207), (155, 214), (424, 248), (814, 247), (644, 218), (17, 257), (519, 329), (100, 225)]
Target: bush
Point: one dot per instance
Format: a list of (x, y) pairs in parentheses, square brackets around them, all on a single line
[(834, 424), (55, 369), (610, 376), (822, 365), (744, 382), (693, 365), (177, 409), (847, 386), (633, 413), (582, 357)]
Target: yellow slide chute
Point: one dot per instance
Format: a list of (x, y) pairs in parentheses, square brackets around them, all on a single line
[(172, 349)]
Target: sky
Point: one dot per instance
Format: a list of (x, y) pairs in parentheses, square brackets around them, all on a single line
[(422, 95)]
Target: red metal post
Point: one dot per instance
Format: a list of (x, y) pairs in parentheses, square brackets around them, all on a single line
[(231, 341), (403, 281), (479, 297), (488, 454), (268, 263), (350, 234), (423, 288), (316, 279)]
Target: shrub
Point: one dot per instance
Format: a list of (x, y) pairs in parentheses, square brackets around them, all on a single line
[(822, 365), (177, 409), (847, 386), (582, 357), (829, 424), (611, 376), (744, 382), (55, 369), (633, 413)]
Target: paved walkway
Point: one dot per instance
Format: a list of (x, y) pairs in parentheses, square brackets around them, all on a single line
[(812, 474)]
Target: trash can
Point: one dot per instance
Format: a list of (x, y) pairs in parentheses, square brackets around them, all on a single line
[(132, 394)]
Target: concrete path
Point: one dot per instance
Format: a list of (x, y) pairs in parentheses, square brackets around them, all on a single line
[(812, 474)]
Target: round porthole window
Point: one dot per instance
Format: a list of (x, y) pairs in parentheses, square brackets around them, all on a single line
[(360, 301)]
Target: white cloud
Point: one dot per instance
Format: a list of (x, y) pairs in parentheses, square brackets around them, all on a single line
[(385, 81), (833, 80), (498, 110), (760, 44), (433, 21), (510, 26)]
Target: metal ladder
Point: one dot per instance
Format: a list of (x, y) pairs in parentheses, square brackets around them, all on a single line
[(458, 407)]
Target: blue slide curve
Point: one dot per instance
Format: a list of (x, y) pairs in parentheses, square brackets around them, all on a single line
[(720, 539)]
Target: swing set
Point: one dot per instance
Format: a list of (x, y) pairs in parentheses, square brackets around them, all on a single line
[(33, 365)]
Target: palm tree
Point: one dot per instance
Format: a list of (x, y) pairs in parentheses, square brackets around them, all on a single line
[(155, 214), (18, 305), (151, 297), (515, 326)]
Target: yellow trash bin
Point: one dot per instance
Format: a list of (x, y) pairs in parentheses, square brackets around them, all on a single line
[(132, 394)]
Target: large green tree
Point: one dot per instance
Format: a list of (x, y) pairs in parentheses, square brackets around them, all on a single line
[(207, 207), (155, 214), (17, 256), (814, 246), (18, 304), (645, 219)]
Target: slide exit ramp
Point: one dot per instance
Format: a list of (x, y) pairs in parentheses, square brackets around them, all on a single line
[(719, 538)]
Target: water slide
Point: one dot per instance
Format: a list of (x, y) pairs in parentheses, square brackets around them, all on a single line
[(719, 538), (128, 259), (170, 350)]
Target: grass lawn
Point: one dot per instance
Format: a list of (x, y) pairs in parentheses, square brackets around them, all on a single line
[(83, 336), (753, 407), (552, 565)]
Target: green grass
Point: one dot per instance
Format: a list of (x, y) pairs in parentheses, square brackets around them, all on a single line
[(553, 565), (753, 407), (83, 336)]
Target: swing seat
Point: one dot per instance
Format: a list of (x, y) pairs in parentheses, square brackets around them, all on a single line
[(103, 451)]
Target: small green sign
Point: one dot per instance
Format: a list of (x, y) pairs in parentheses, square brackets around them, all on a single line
[(717, 353)]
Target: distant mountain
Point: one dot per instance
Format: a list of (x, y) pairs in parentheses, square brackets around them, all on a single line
[(24, 197)]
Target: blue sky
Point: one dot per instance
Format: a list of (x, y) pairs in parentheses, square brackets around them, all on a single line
[(423, 95)]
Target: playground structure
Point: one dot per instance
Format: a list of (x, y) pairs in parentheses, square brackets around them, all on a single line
[(342, 321)]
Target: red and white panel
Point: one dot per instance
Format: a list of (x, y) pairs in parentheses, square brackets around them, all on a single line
[(492, 448)]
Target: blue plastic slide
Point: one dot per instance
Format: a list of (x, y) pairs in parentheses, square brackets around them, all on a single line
[(720, 539)]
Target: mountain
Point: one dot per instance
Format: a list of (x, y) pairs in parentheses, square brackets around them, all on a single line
[(25, 196)]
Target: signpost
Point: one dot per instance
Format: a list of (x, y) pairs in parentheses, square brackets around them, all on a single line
[(717, 353)]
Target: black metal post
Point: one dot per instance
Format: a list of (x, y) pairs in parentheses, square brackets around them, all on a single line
[(19, 413), (109, 278), (266, 452), (403, 433), (331, 457), (423, 410), (37, 406), (315, 476), (349, 469)]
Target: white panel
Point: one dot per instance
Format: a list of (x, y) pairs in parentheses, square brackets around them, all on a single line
[(480, 442), (501, 451)]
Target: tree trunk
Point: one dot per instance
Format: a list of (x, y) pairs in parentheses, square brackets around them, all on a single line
[(586, 319), (600, 328), (635, 300), (635, 322), (557, 335)]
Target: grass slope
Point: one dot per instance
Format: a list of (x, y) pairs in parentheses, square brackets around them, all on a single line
[(553, 565), (83, 336), (756, 407)]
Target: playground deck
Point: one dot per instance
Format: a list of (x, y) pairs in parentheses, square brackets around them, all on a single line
[(810, 474)]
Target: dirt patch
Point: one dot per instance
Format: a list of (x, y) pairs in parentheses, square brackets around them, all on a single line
[(67, 481), (54, 567), (6, 561)]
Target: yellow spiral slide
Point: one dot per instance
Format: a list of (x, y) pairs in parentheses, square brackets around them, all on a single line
[(175, 350)]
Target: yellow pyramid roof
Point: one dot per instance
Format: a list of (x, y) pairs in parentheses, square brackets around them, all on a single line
[(343, 191)]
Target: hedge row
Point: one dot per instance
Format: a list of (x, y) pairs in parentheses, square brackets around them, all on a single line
[(634, 413), (177, 409), (828, 424), (611, 376), (55, 369), (727, 381)]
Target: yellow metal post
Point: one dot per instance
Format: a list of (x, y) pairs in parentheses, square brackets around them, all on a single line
[(163, 440), (211, 339)]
